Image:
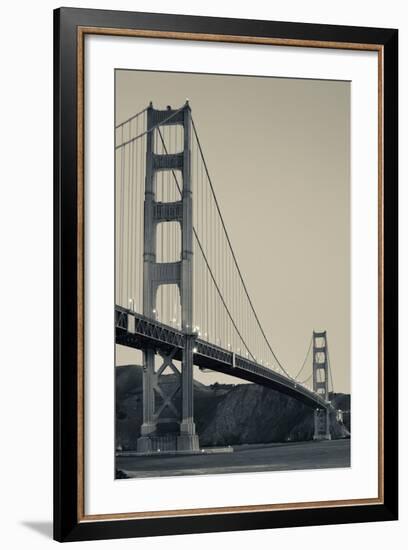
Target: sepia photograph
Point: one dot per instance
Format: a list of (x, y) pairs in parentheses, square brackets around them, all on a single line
[(225, 271), (232, 274)]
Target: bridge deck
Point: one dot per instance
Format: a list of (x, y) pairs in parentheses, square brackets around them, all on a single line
[(134, 330)]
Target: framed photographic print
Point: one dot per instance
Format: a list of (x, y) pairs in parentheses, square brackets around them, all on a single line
[(225, 274)]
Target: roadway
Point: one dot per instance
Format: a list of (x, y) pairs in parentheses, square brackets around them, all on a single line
[(137, 331)]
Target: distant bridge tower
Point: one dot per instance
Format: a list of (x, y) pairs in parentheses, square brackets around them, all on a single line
[(321, 385), (156, 433)]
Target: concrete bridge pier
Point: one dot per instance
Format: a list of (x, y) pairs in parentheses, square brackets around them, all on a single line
[(321, 425), (188, 439), (148, 428)]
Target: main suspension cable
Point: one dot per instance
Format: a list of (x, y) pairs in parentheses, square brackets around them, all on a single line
[(304, 362), (164, 121), (233, 254), (206, 262)]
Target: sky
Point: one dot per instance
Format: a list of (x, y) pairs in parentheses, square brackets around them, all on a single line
[(278, 151)]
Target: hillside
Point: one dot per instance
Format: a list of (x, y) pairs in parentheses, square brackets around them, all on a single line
[(225, 414)]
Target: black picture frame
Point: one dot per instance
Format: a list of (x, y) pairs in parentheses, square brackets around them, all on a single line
[(68, 524)]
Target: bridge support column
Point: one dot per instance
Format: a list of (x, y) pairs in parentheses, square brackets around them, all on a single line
[(148, 428), (188, 439), (321, 425)]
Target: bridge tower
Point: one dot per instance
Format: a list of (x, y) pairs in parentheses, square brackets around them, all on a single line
[(157, 402), (321, 385)]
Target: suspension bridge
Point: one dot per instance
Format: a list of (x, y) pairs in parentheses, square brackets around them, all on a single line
[(180, 295)]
